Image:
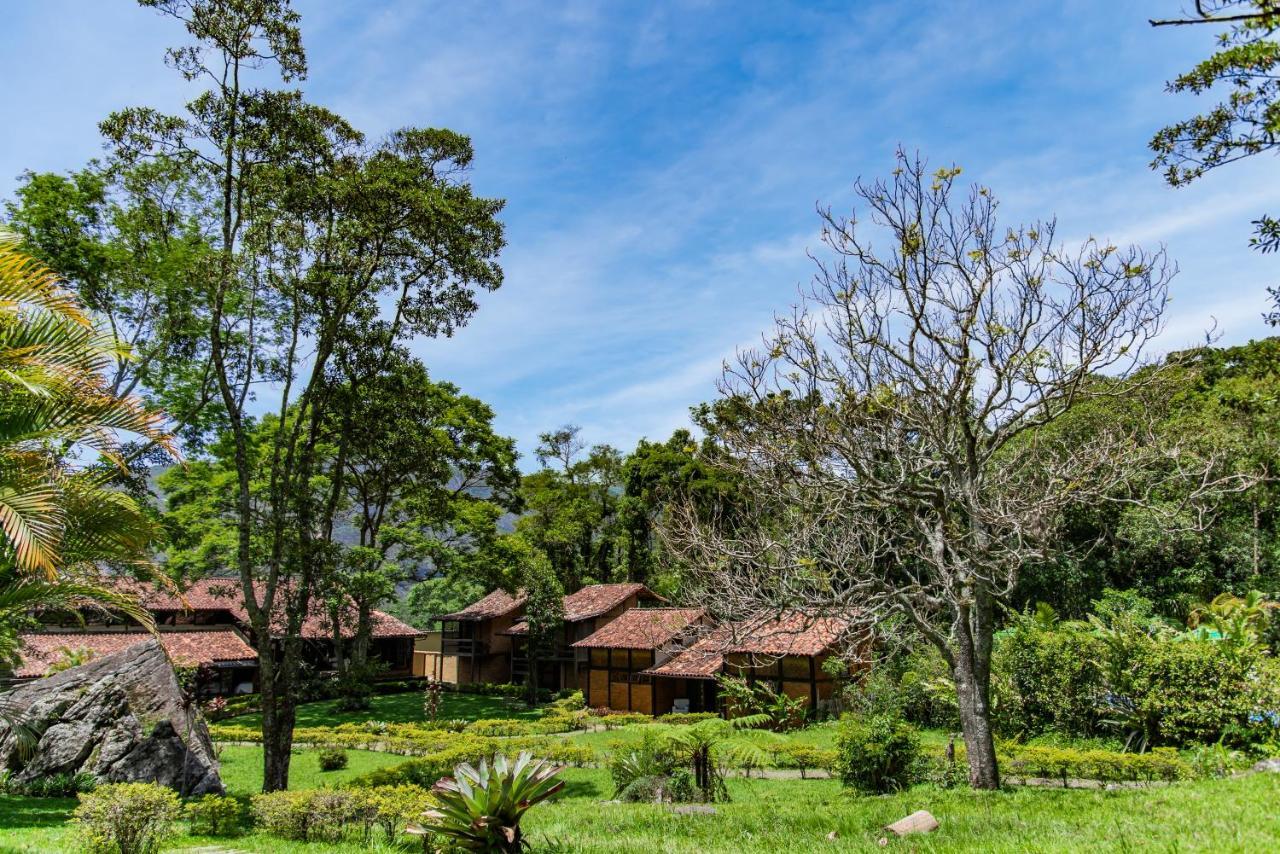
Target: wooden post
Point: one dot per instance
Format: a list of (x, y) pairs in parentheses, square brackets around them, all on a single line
[(813, 686)]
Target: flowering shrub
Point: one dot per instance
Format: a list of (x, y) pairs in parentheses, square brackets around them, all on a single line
[(127, 818), (319, 815)]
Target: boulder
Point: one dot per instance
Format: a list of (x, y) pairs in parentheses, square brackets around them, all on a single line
[(1271, 766), (121, 717)]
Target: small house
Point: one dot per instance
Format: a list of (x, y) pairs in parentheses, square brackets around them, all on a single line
[(474, 644), (612, 660), (585, 611)]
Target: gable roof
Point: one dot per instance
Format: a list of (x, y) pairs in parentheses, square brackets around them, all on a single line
[(596, 599), (592, 601), (499, 603), (642, 628), (794, 633), (39, 650), (224, 594)]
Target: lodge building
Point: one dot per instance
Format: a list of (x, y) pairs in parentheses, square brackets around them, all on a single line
[(206, 626), (627, 650)]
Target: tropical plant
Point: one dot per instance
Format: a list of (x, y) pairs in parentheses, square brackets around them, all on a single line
[(1241, 622), (59, 520), (69, 658), (710, 746), (750, 698), (55, 404), (480, 809)]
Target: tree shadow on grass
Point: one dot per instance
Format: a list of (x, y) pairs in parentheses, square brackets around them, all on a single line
[(582, 789), (17, 811)]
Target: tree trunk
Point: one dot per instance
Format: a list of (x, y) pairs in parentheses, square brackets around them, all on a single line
[(278, 717), (971, 669)]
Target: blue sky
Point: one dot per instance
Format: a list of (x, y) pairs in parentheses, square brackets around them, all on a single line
[(661, 161)]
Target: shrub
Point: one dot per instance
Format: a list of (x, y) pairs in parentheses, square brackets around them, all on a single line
[(804, 757), (389, 807), (876, 753), (319, 815), (283, 814), (577, 755), (686, 718), (924, 690), (331, 810), (1056, 675), (214, 815), (614, 720), (643, 790), (127, 818), (333, 759), (1195, 691), (681, 787), (481, 809), (1065, 764), (652, 756), (499, 727)]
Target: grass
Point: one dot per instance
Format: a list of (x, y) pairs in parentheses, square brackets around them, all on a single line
[(242, 768), (797, 815), (1234, 815), (402, 708)]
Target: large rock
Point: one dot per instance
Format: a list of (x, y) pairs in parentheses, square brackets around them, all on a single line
[(121, 718)]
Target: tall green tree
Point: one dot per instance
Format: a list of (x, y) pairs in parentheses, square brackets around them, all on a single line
[(1222, 402), (319, 234), (427, 481), (1245, 70), (129, 240)]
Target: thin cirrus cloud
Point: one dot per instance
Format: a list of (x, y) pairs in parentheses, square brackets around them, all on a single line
[(661, 162)]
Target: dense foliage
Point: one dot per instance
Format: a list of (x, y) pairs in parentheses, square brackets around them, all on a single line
[(877, 753), (127, 818)]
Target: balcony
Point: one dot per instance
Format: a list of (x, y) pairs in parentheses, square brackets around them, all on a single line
[(462, 646)]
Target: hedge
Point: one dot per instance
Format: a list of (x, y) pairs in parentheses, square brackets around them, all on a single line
[(1065, 764)]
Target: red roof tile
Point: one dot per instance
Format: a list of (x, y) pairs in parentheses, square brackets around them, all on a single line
[(224, 594), (642, 628), (41, 649), (592, 601), (703, 660), (499, 603), (596, 599), (789, 634)]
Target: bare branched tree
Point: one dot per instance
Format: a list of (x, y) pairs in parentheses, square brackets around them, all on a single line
[(893, 430)]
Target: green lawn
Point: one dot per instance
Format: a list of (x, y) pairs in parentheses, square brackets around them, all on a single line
[(797, 815), (402, 708), (242, 768)]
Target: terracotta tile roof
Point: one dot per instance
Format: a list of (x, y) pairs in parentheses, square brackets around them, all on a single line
[(703, 660), (789, 634), (592, 601), (642, 628), (41, 649), (223, 594), (596, 599), (499, 603)]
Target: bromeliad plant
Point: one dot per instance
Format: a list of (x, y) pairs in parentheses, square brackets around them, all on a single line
[(479, 809)]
